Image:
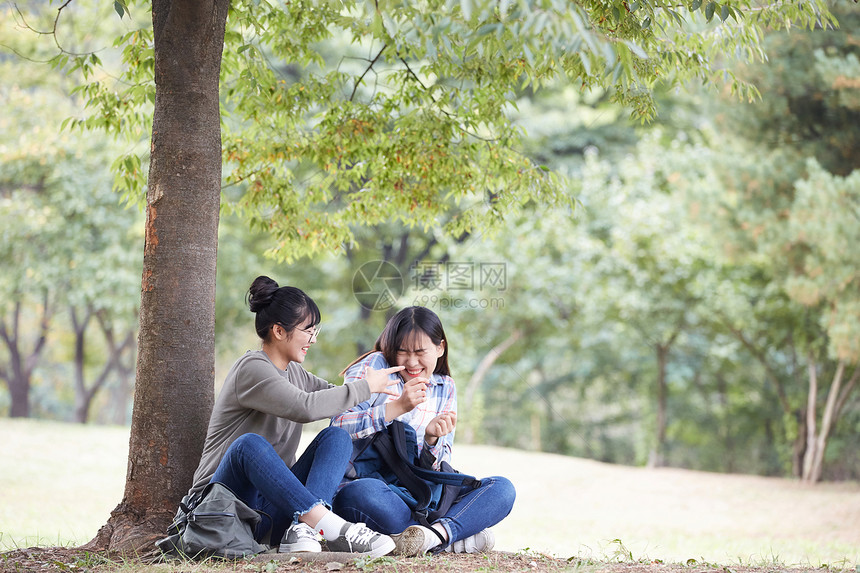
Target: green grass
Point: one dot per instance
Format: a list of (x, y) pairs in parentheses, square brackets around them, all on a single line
[(59, 483)]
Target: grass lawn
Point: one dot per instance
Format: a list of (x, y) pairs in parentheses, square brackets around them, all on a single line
[(59, 482)]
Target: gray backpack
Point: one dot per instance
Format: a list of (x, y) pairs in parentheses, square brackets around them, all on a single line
[(213, 523)]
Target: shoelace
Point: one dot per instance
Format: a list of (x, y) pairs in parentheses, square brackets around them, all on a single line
[(304, 531), (359, 533)]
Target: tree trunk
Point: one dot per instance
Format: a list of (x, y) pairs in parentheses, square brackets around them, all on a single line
[(798, 445), (20, 370), (816, 437), (120, 394), (811, 420), (84, 396), (658, 454), (176, 347)]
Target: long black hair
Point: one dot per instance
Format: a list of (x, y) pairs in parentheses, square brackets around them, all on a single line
[(287, 306)]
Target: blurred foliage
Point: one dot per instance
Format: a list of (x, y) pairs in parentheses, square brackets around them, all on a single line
[(721, 231)]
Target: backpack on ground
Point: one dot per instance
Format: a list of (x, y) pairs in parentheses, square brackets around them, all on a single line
[(213, 523), (392, 456)]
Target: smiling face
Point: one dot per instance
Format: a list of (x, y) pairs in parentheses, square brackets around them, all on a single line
[(300, 341), (418, 355), (285, 346)]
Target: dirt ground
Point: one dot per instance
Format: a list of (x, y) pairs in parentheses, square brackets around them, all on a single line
[(39, 560)]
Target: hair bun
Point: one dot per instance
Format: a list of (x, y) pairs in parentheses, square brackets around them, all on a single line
[(261, 293)]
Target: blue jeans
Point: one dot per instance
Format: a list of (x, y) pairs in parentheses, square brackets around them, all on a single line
[(259, 477), (371, 501)]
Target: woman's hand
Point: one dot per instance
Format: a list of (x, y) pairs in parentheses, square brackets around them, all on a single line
[(441, 425), (378, 379), (414, 393)]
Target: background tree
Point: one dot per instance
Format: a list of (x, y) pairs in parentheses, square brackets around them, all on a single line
[(431, 131), (769, 204)]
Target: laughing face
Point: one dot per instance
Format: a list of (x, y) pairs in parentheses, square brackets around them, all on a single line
[(299, 342), (284, 346), (418, 355)]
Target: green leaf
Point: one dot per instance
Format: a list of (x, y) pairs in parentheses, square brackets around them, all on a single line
[(696, 5), (724, 12), (636, 49), (487, 29), (466, 7), (646, 23), (709, 10), (120, 8)]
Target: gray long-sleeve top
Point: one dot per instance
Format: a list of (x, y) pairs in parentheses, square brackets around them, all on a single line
[(258, 397)]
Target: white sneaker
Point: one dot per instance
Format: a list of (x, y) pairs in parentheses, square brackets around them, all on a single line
[(482, 541), (415, 540), (358, 538), (300, 537)]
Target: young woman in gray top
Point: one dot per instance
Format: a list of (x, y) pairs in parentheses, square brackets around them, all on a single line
[(257, 421)]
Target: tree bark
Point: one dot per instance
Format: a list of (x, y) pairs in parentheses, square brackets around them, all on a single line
[(176, 348)]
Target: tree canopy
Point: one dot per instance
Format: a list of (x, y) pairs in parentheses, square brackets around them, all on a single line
[(327, 117), (338, 114)]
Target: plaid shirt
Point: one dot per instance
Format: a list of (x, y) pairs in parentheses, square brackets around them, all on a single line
[(369, 417)]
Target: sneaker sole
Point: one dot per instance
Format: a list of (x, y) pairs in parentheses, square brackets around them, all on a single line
[(383, 549), (489, 541), (410, 542), (300, 547)]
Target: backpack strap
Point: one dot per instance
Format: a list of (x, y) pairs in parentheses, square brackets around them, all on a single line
[(403, 470), (451, 480), (447, 475)]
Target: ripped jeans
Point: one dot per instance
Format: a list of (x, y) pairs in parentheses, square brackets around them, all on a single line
[(259, 477)]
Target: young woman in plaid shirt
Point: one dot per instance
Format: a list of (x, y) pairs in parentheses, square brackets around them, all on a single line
[(426, 400)]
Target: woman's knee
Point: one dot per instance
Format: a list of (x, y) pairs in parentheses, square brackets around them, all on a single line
[(250, 443), (504, 490), (333, 436), (359, 492), (371, 500)]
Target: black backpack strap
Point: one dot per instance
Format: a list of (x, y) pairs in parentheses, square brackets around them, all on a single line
[(401, 468), (447, 475), (452, 481), (393, 446)]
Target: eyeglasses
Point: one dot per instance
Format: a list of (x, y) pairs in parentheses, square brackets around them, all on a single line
[(312, 332)]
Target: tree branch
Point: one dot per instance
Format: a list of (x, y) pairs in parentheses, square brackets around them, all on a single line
[(780, 391), (44, 324), (52, 32), (369, 67), (846, 391), (484, 366)]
